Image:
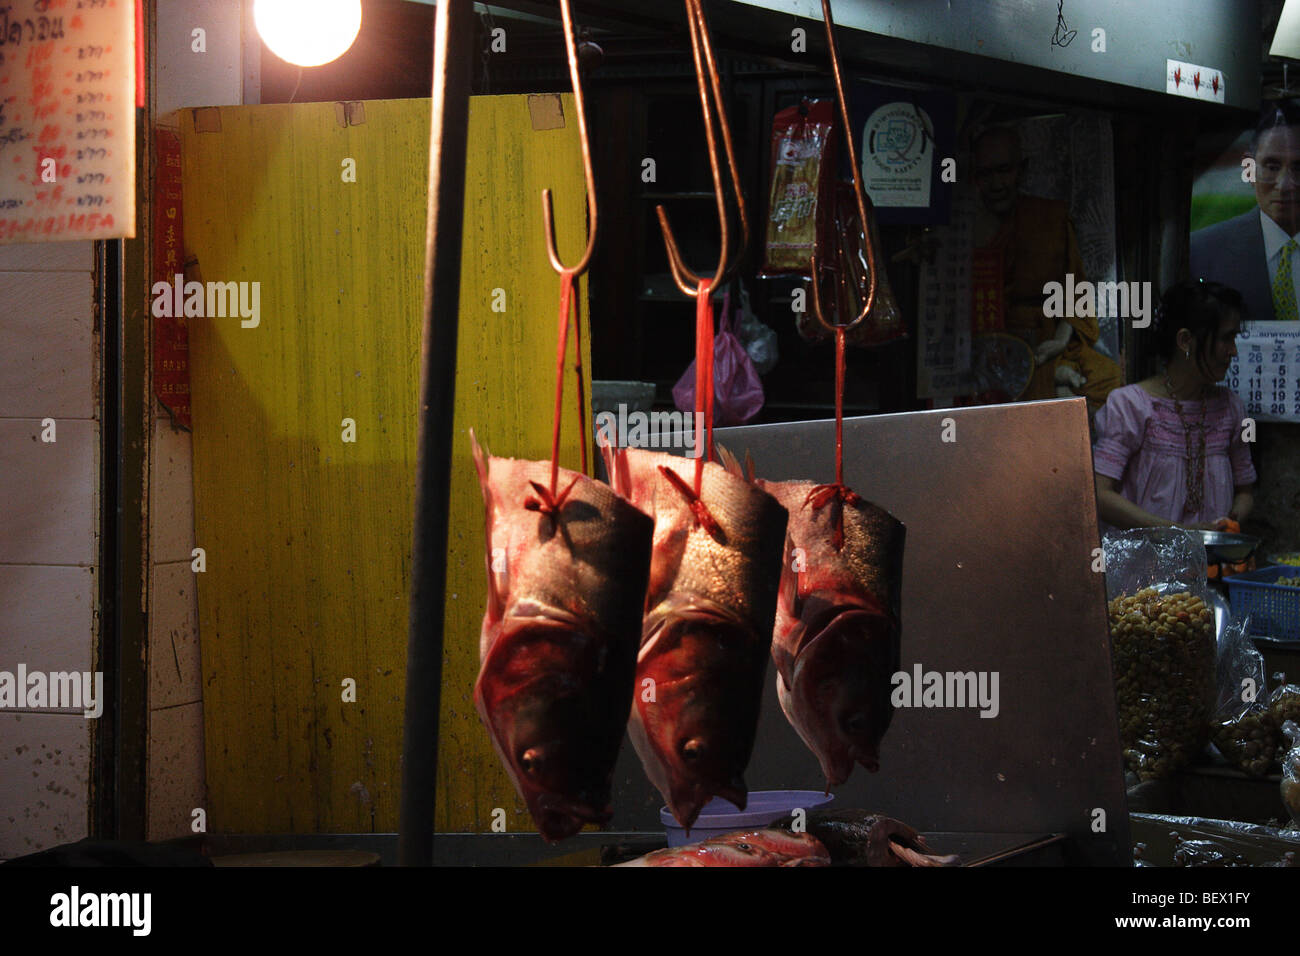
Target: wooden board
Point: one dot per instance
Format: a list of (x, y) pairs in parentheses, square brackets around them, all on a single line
[(308, 538)]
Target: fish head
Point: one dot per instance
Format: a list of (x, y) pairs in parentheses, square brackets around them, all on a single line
[(702, 721), (838, 699), (540, 700)]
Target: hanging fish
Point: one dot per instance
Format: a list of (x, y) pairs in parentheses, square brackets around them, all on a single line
[(567, 575), (707, 630), (836, 641)]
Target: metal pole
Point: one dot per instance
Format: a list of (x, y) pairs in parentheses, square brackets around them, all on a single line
[(452, 43)]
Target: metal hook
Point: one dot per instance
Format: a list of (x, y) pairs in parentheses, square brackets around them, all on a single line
[(728, 263), (859, 195), (547, 214)]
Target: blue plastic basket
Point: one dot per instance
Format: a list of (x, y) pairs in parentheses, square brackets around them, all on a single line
[(1274, 609)]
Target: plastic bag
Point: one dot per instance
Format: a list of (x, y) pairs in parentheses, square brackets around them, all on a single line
[(1291, 773), (1243, 730), (1284, 702), (737, 391), (1162, 636), (758, 339), (803, 174), (848, 262)]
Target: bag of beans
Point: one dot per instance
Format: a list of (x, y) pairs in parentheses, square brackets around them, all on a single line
[(1162, 643), (1284, 702), (1291, 773), (1243, 729)]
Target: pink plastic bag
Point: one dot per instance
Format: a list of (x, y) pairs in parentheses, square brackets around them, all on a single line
[(737, 391)]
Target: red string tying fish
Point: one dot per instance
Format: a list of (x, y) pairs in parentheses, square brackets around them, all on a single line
[(703, 410), (838, 492)]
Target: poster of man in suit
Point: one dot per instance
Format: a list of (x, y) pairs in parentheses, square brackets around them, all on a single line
[(1246, 216)]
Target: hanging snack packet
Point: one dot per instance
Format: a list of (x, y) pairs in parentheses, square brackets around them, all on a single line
[(803, 175)]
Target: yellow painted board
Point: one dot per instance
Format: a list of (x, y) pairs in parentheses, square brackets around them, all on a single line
[(306, 536)]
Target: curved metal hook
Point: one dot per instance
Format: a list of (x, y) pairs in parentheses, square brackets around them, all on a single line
[(548, 217), (728, 263), (858, 193)]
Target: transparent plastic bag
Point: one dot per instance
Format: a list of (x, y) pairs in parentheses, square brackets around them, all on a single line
[(846, 279), (1284, 702), (1291, 773), (758, 339), (1243, 729), (1162, 637)]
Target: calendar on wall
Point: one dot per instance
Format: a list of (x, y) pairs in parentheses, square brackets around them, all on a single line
[(1264, 373)]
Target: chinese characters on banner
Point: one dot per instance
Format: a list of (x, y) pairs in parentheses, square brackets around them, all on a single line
[(1264, 372), (67, 120), (944, 312), (171, 366)]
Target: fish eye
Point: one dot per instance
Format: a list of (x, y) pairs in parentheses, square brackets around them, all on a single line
[(857, 723), (531, 761), (693, 749)]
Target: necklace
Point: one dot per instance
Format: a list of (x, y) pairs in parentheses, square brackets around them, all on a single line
[(1195, 458)]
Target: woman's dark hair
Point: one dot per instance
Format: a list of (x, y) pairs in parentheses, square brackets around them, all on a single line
[(1198, 306)]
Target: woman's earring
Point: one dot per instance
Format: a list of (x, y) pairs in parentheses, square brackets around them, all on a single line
[(1187, 353)]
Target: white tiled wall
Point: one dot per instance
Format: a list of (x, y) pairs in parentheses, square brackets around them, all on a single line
[(48, 532), (184, 78)]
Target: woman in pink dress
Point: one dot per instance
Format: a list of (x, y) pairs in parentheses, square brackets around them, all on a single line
[(1169, 450)]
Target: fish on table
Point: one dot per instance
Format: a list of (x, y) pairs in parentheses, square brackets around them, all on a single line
[(864, 838), (709, 608), (567, 576), (765, 847)]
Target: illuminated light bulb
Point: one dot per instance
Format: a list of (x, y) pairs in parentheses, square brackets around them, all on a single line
[(308, 32)]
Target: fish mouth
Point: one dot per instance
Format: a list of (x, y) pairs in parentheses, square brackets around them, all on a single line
[(687, 802), (559, 817), (843, 730)]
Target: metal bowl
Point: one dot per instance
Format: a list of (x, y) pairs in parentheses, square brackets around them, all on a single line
[(1223, 546)]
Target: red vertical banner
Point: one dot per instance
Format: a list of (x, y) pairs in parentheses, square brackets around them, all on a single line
[(988, 291), (140, 84), (171, 355)]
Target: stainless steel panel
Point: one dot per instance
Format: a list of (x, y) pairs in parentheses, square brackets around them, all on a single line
[(1001, 526)]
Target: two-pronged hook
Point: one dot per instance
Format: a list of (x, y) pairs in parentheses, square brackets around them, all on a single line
[(714, 110), (569, 274), (548, 217), (858, 192)]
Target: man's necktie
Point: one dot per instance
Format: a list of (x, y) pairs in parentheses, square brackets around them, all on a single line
[(1284, 305)]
